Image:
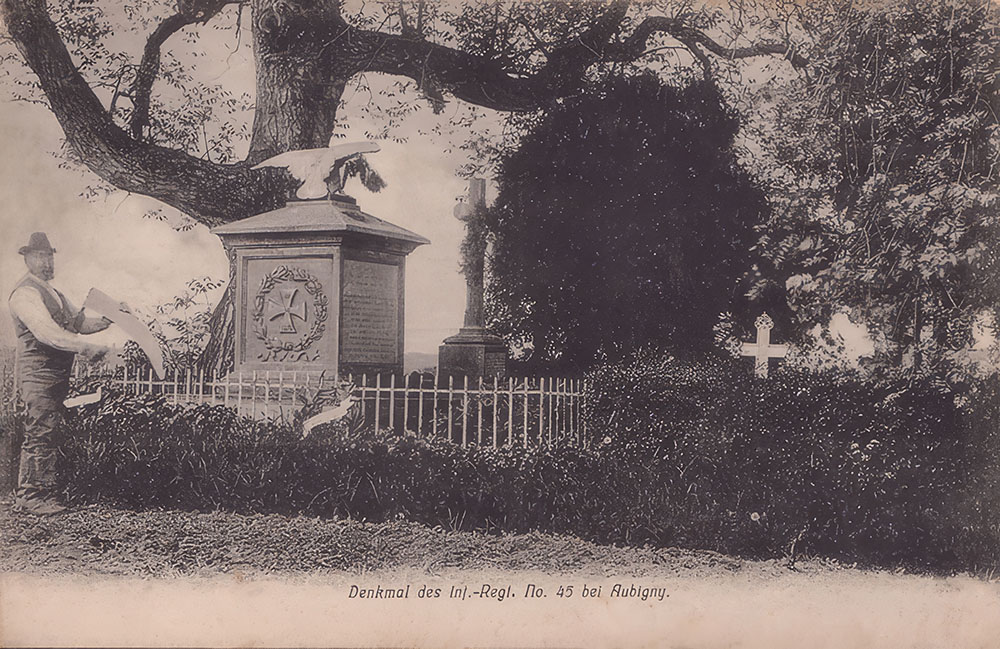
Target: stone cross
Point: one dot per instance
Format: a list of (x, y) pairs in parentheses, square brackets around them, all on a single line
[(762, 349), (473, 351), (476, 265)]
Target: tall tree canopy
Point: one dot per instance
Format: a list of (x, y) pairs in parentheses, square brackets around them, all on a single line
[(622, 219), (883, 167)]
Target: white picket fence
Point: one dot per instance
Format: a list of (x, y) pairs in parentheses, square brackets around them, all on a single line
[(495, 412)]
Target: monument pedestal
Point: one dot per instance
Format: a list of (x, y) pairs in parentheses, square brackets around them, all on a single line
[(319, 288), (472, 352)]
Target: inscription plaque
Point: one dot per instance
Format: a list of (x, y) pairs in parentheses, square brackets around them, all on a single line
[(370, 316), (495, 363)]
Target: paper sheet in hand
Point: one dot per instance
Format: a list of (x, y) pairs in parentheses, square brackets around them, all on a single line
[(110, 308)]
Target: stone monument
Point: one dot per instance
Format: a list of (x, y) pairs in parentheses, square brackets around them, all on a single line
[(473, 351), (319, 287)]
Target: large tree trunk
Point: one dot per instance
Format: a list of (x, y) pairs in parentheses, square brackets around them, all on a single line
[(219, 354), (298, 89), (208, 192)]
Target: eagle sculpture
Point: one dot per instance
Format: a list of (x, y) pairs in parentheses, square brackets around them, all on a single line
[(319, 170)]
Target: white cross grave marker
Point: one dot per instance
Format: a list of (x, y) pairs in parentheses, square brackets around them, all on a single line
[(762, 349)]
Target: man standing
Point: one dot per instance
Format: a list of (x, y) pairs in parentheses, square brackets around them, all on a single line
[(48, 332)]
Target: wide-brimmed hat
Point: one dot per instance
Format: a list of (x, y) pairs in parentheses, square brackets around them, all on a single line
[(38, 242)]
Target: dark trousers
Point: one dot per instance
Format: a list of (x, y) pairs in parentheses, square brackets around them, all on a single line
[(43, 391)]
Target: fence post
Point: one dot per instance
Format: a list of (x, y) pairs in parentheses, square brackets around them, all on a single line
[(541, 409), (406, 401), (434, 408), (561, 410), (392, 401), (567, 405), (524, 431), (451, 392), (479, 413), (267, 394), (253, 395), (378, 387), (552, 395), (510, 411), (420, 405), (560, 401), (571, 403), (364, 393), (496, 404), (277, 398), (465, 410), (239, 391)]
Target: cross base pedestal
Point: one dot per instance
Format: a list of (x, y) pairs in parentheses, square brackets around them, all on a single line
[(472, 352)]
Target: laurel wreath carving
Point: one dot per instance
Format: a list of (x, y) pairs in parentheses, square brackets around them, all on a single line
[(273, 344)]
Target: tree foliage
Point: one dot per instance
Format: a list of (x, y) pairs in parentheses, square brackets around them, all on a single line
[(882, 165), (622, 219)]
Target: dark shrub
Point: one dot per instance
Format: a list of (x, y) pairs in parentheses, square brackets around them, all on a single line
[(699, 455), (890, 473)]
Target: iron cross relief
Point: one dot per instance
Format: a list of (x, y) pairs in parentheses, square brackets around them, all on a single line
[(287, 307)]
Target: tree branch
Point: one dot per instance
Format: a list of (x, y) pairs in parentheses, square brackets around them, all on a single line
[(675, 27), (480, 80), (189, 12), (149, 66), (487, 83)]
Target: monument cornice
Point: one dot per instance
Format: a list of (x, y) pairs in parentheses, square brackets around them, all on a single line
[(332, 221)]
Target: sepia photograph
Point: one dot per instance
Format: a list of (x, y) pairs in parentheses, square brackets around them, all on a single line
[(500, 323)]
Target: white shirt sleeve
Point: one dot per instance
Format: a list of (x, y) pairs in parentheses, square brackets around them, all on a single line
[(27, 305)]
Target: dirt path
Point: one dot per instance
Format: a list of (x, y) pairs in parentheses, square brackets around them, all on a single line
[(101, 576)]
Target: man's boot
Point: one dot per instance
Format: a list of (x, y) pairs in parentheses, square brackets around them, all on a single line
[(38, 506)]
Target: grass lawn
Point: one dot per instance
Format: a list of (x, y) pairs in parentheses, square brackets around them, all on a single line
[(102, 540)]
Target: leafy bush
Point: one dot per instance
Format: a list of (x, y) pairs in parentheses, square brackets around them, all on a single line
[(144, 452), (803, 462), (683, 454)]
